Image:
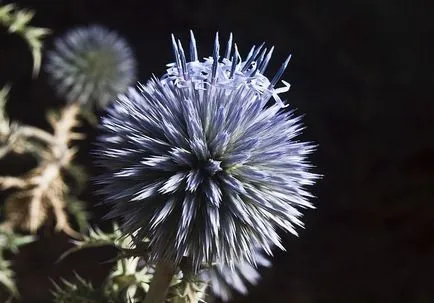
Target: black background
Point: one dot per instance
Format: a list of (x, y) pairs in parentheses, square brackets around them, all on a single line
[(359, 73)]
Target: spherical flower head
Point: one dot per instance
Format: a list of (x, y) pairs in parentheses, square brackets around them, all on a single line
[(204, 161), (91, 64)]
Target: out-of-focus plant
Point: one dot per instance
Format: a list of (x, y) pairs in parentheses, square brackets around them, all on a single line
[(88, 65), (9, 241), (17, 21), (41, 193), (91, 65), (5, 126), (17, 138)]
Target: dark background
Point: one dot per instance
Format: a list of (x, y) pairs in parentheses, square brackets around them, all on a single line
[(359, 73)]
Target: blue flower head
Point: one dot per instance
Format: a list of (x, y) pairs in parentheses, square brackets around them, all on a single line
[(204, 160), (91, 65)]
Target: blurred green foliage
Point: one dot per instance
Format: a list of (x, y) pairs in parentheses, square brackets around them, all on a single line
[(17, 21)]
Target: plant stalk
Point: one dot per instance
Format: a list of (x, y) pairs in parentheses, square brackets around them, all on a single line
[(160, 283)]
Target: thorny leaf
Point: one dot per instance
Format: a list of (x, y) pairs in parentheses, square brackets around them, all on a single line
[(10, 241), (130, 279), (127, 247), (4, 121), (17, 22), (43, 188), (96, 238), (4, 92), (7, 278), (127, 283), (78, 291)]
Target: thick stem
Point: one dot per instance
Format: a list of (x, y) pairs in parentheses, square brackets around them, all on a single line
[(160, 283)]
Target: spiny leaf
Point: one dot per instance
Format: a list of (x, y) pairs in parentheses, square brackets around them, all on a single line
[(77, 291), (96, 238), (7, 278), (4, 120), (17, 22), (129, 279), (10, 240), (4, 92)]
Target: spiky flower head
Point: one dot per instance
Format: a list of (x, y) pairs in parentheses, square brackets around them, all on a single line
[(204, 161), (91, 64)]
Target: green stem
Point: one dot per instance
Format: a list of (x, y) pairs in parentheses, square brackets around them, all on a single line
[(160, 283), (124, 267)]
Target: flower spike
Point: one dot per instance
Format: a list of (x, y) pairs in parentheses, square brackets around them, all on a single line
[(193, 48), (280, 72)]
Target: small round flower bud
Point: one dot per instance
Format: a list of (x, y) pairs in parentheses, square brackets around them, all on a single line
[(91, 64)]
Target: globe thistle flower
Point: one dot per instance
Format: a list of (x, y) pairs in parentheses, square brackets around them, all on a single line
[(223, 279), (91, 64), (204, 161)]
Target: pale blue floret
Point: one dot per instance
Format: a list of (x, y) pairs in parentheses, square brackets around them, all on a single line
[(223, 280)]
